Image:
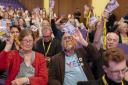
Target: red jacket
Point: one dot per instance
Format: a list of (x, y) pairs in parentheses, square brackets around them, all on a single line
[(11, 60)]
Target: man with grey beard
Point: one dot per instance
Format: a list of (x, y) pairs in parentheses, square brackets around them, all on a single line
[(71, 65)]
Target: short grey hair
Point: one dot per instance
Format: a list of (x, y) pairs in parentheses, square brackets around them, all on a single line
[(112, 33)]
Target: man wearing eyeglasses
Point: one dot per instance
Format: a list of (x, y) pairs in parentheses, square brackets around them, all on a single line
[(71, 65), (115, 68), (48, 45)]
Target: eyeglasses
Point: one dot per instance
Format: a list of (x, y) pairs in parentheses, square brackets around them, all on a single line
[(109, 39), (123, 71), (68, 38), (46, 36), (26, 41)]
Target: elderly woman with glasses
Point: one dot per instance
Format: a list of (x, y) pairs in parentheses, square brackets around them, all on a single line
[(25, 65)]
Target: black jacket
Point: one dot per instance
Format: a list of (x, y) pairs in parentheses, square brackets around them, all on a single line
[(100, 82), (55, 47)]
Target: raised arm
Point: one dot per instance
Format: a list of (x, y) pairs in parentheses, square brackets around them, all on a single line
[(4, 59), (91, 50), (79, 38), (98, 34)]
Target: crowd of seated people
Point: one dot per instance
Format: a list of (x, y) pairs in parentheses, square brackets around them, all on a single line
[(38, 48)]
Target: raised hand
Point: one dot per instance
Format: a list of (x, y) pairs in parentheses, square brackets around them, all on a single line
[(16, 40), (9, 43), (79, 38)]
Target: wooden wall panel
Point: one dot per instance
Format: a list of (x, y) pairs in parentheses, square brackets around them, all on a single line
[(80, 4), (61, 6), (65, 7), (56, 8), (69, 6), (122, 9), (30, 4)]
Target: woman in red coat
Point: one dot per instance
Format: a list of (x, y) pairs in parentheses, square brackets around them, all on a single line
[(24, 66)]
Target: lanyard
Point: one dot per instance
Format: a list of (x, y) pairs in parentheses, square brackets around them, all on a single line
[(88, 18), (87, 24), (46, 52), (104, 34), (105, 82)]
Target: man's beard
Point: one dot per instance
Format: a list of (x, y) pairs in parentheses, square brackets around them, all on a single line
[(69, 46)]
